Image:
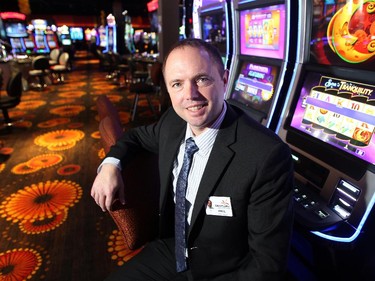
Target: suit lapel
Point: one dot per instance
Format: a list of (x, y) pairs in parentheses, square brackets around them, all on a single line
[(220, 156), (169, 150)]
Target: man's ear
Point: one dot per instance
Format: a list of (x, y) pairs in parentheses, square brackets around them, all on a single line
[(225, 77)]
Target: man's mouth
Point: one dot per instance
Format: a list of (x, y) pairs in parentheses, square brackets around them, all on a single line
[(196, 107)]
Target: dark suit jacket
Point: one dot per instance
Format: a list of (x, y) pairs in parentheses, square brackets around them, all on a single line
[(249, 164)]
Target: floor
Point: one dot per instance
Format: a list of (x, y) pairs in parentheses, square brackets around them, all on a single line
[(51, 228)]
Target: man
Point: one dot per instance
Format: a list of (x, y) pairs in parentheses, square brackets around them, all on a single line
[(238, 198)]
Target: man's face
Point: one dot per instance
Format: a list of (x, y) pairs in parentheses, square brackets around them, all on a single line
[(195, 86)]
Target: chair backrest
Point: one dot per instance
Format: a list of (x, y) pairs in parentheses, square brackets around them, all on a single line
[(64, 58), (1, 78), (54, 55), (137, 220), (14, 86), (156, 73), (40, 62)]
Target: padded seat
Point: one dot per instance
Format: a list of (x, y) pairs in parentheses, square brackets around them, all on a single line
[(62, 67), (39, 70), (12, 98)]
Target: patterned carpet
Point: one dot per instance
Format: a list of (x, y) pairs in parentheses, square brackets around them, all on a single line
[(51, 229)]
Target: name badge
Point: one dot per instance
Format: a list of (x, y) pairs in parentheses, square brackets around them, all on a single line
[(219, 206)]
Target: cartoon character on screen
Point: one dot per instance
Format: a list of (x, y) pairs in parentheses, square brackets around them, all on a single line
[(351, 31)]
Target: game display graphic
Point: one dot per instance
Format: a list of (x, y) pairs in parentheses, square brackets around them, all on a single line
[(343, 34), (263, 31), (255, 85), (338, 112)]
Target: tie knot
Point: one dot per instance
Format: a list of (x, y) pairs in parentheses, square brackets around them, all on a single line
[(190, 146)]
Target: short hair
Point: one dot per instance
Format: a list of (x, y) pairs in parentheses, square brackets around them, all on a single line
[(196, 43)]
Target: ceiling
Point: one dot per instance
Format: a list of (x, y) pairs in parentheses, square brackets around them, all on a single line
[(77, 7)]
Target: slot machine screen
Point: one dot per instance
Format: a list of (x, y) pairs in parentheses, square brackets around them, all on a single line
[(39, 40), (29, 43), (76, 33), (262, 32), (66, 42), (214, 29), (343, 33), (15, 30), (255, 85), (336, 113), (51, 41), (16, 43)]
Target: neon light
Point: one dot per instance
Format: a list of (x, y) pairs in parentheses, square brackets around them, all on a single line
[(358, 230), (12, 15)]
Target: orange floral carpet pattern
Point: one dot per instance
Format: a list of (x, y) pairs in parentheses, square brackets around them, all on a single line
[(50, 227)]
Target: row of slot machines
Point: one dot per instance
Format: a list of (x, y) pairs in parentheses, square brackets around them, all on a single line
[(34, 38), (308, 67)]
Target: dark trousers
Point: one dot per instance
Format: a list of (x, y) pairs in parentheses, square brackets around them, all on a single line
[(156, 262)]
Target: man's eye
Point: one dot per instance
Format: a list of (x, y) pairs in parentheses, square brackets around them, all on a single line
[(176, 85), (203, 81)]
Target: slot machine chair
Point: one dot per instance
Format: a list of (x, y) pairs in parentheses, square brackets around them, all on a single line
[(148, 85), (58, 70), (11, 98), (40, 70), (121, 68), (54, 57), (137, 220)]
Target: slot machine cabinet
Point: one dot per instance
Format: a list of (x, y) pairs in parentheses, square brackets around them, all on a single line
[(102, 37), (14, 30), (111, 35), (328, 120), (261, 68), (212, 22), (51, 37), (65, 40), (40, 38), (77, 36)]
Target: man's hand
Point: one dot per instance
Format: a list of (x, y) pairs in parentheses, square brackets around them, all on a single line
[(107, 183)]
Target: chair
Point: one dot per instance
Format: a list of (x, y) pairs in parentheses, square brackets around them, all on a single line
[(121, 69), (13, 98), (137, 220), (40, 69), (54, 57), (62, 67), (147, 86)]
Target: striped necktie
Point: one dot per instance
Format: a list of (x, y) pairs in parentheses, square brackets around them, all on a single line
[(180, 208)]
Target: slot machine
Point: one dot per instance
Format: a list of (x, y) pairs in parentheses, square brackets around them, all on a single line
[(51, 37), (102, 37), (14, 25), (212, 22), (261, 66), (29, 41), (40, 38), (77, 35), (111, 35), (64, 37), (328, 121)]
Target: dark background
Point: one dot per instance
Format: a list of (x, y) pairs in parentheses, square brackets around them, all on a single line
[(77, 7)]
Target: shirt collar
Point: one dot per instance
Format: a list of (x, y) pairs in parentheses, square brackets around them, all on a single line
[(206, 140)]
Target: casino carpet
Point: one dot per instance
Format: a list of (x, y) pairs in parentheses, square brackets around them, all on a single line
[(51, 229)]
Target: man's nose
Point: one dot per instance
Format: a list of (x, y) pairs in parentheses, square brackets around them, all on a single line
[(191, 91)]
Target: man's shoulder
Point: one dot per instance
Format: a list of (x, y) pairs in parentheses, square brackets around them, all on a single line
[(251, 130)]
